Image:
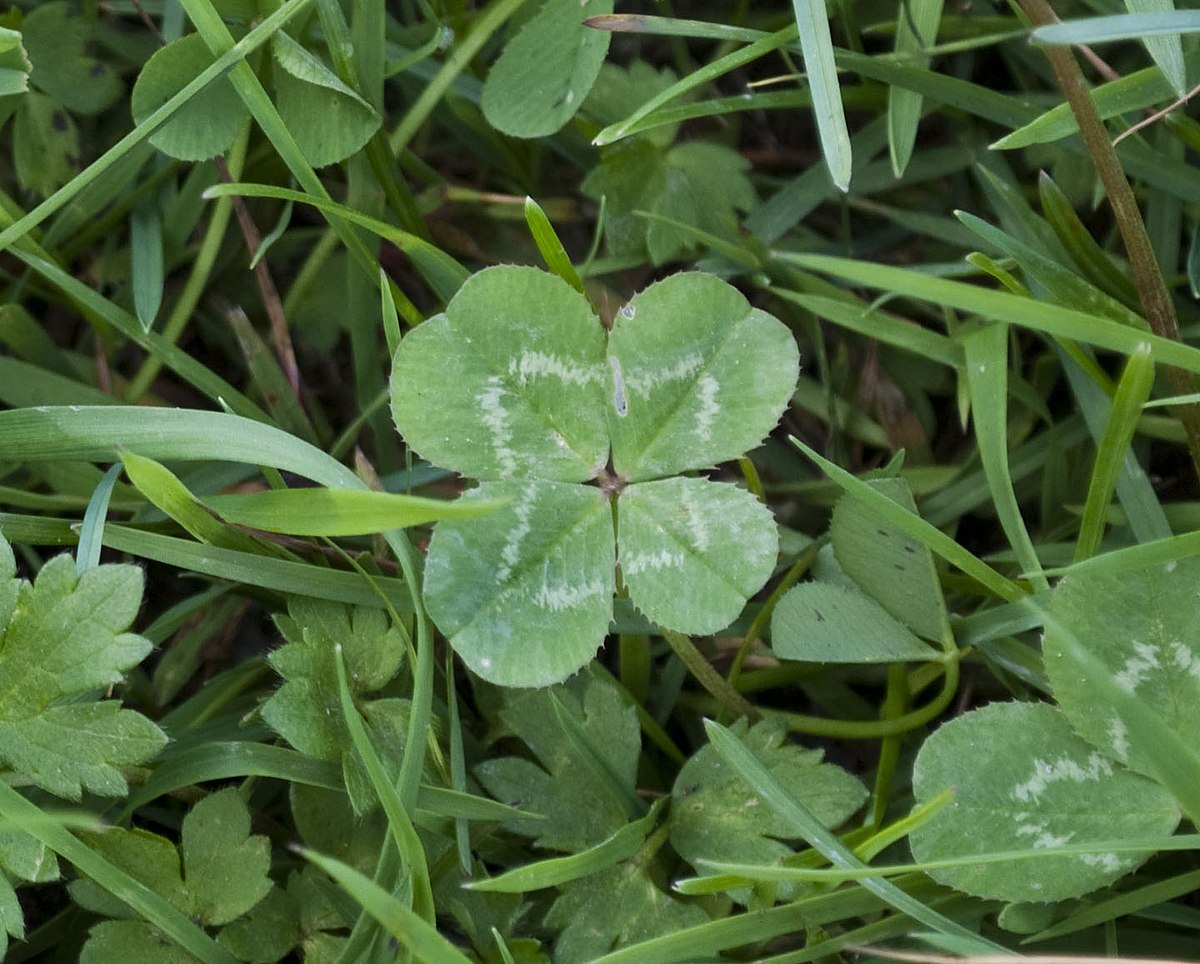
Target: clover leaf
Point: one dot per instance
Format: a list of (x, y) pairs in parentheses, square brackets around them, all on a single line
[(584, 433)]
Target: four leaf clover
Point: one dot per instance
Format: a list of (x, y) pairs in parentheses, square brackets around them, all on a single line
[(583, 433)]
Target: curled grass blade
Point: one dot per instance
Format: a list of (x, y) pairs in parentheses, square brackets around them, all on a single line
[(91, 532)]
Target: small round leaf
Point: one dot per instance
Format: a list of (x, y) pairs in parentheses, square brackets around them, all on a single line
[(508, 383), (702, 375), (693, 551), (546, 70), (208, 123), (525, 593), (1024, 781)]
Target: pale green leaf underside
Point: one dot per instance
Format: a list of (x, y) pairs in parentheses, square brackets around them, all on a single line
[(1023, 780), (206, 125), (546, 70), (510, 382), (822, 622), (1141, 625), (692, 551), (894, 570), (525, 594), (697, 377)]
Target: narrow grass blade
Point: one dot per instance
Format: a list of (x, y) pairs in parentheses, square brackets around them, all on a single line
[(1166, 49), (399, 824), (338, 512), (255, 569), (412, 933), (707, 73), (987, 378), (561, 870), (147, 904), (93, 434), (1121, 905), (1113, 449), (812, 22), (1050, 319), (549, 245), (91, 533), (444, 274), (917, 528), (146, 254), (916, 29), (1121, 26), (775, 795)]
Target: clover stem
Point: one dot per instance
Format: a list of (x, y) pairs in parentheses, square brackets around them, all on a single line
[(709, 678)]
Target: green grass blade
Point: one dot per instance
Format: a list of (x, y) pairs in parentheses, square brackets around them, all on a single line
[(407, 843), (1166, 49), (1050, 319), (549, 245), (146, 255), (707, 73), (987, 379), (444, 274), (147, 904), (812, 23), (235, 54), (561, 870), (1121, 26), (1113, 450), (917, 528), (338, 512), (413, 933), (93, 434), (91, 532), (916, 29), (775, 795)]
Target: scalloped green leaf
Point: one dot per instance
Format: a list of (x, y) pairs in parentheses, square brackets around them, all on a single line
[(546, 70), (1024, 781), (697, 377), (1140, 625), (822, 622), (525, 594), (716, 815), (206, 125), (510, 382), (693, 551)]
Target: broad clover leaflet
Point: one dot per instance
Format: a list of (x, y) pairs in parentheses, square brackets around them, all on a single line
[(519, 385)]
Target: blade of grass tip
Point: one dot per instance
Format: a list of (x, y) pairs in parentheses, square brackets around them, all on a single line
[(916, 527), (916, 29), (407, 842), (458, 766), (387, 310), (91, 532), (1113, 450), (987, 378), (707, 73), (146, 260), (549, 244), (147, 904), (816, 45), (1121, 26), (413, 933), (561, 870), (768, 788), (1165, 49)]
